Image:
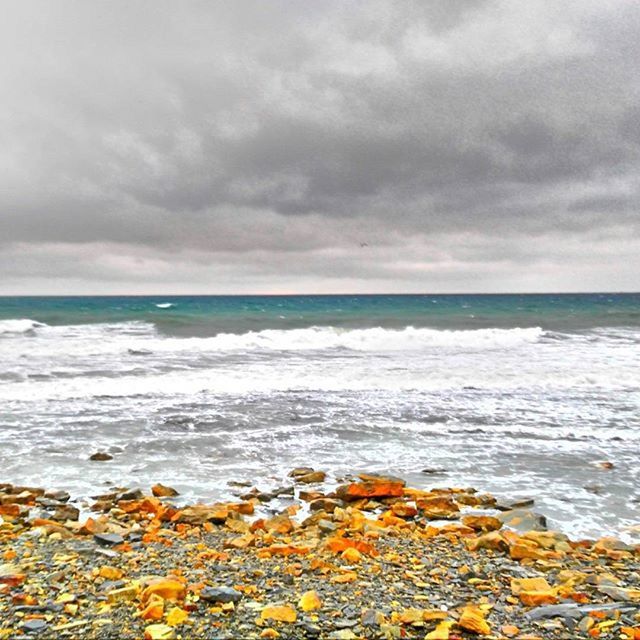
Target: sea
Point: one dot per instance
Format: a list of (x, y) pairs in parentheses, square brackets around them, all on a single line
[(523, 396)]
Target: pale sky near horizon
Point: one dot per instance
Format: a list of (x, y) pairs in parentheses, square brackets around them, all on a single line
[(297, 146)]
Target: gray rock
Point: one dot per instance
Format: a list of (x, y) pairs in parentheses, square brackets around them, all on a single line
[(574, 611), (34, 626), (57, 494), (523, 520), (327, 526), (131, 494), (108, 539), (220, 594)]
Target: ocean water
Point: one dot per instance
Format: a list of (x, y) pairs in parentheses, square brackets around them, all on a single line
[(519, 395)]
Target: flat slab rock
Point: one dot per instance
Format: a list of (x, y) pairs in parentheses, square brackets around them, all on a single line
[(220, 594), (574, 611), (108, 539)]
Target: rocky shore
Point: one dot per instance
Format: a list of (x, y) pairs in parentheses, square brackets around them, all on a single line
[(371, 559)]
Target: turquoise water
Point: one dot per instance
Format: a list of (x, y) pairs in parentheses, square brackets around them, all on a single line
[(208, 315), (519, 395)]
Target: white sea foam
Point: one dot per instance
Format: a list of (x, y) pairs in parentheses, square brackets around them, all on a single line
[(164, 305), (518, 409), (19, 325)]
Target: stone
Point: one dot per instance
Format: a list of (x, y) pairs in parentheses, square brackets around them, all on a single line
[(162, 491), (131, 494), (199, 514), (310, 478), (300, 471), (620, 594), (438, 507), (472, 619), (280, 613), (159, 632), (100, 456), (166, 588), (481, 523), (220, 594), (327, 526), (310, 601), (434, 472), (370, 489), (59, 495), (108, 539), (35, 625), (523, 520), (325, 504), (66, 512)]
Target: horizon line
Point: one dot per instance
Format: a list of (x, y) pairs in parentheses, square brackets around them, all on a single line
[(292, 295)]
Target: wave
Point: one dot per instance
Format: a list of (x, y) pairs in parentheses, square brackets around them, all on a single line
[(19, 325), (164, 305), (373, 339)]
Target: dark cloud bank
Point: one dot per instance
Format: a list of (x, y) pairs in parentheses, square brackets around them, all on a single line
[(226, 147)]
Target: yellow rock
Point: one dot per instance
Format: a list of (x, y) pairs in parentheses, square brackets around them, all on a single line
[(441, 632), (176, 616), (159, 632), (280, 613), (310, 601), (472, 619), (125, 593), (351, 555), (529, 584), (411, 616), (110, 573), (269, 633)]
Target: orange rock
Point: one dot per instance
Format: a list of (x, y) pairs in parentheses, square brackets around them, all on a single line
[(166, 588), (404, 510), (538, 598), (240, 542), (438, 507), (472, 619), (162, 491), (370, 489), (481, 523), (285, 550), (349, 576), (245, 508), (10, 510), (522, 551), (199, 514), (338, 544), (280, 613), (510, 630), (279, 524), (154, 610)]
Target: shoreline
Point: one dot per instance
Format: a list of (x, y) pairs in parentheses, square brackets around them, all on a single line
[(372, 559)]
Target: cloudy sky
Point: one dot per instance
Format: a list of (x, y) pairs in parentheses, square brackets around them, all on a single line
[(247, 146)]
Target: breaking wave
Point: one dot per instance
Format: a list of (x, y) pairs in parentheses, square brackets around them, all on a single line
[(18, 326)]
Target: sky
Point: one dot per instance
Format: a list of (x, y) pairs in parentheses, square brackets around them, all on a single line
[(297, 146)]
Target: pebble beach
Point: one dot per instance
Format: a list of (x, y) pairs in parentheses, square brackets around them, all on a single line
[(372, 558)]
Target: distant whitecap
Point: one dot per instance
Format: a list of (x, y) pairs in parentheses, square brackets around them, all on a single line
[(164, 305)]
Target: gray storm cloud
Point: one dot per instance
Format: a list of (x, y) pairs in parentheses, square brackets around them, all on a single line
[(334, 146)]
